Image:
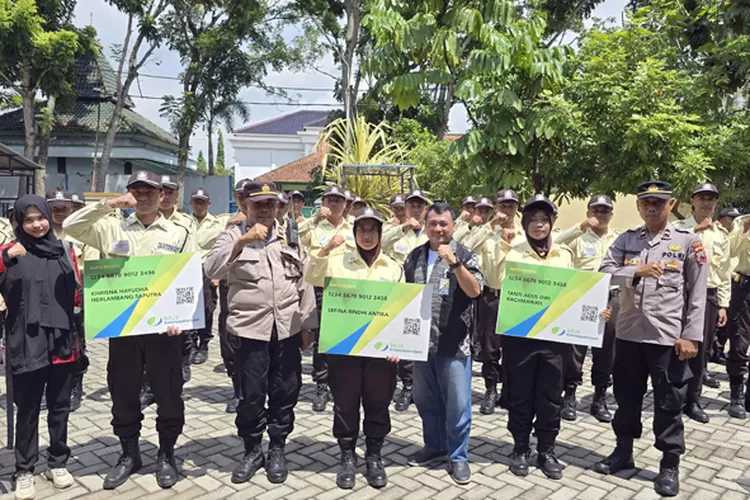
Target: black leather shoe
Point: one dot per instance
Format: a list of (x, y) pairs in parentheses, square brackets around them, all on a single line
[(186, 375), (232, 405), (519, 461), (599, 405), (425, 457), (166, 470), (695, 412), (76, 394), (321, 397), (460, 472), (129, 463), (200, 356), (404, 400), (346, 476), (376, 476), (547, 462), (617, 461), (736, 401), (720, 358), (569, 412), (147, 397), (251, 463), (276, 470), (710, 380), (667, 483), (489, 402)]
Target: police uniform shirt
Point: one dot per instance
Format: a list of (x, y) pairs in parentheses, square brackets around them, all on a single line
[(206, 232), (397, 244), (716, 244), (351, 265), (92, 225), (739, 242), (652, 310), (322, 233)]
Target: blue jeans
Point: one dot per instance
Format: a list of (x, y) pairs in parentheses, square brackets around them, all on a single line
[(442, 393)]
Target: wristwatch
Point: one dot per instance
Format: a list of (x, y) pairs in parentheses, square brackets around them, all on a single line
[(456, 265)]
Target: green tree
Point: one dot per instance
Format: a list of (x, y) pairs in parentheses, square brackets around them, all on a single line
[(38, 46), (143, 35), (221, 168), (201, 161), (496, 58), (224, 111)]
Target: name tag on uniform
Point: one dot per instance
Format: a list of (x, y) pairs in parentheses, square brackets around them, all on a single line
[(121, 246), (167, 247), (324, 240), (444, 286), (401, 248), (589, 252)]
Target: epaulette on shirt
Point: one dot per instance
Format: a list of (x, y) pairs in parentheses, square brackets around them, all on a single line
[(681, 229), (188, 228)]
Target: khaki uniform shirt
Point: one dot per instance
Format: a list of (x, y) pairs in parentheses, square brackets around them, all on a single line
[(664, 310), (397, 244), (351, 265), (589, 249), (716, 243), (81, 251), (206, 232), (463, 231), (184, 220), (558, 255), (319, 235), (492, 250), (113, 237), (739, 243), (266, 286)]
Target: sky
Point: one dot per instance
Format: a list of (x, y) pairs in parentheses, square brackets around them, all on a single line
[(111, 26)]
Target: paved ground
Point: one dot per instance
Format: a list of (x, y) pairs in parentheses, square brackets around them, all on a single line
[(717, 464)]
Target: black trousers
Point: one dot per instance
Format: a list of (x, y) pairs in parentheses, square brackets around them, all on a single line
[(320, 364), (160, 355), (739, 332), (370, 381), (699, 364), (487, 343), (205, 334), (634, 363), (29, 387), (534, 376), (270, 370), (228, 343), (406, 373), (603, 357)]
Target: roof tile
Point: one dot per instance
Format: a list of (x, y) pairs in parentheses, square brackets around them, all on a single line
[(287, 124)]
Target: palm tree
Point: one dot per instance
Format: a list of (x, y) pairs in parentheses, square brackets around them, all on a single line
[(225, 111)]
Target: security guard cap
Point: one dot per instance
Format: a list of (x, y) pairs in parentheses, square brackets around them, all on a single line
[(469, 200), (655, 189), (417, 194), (349, 196), (144, 177), (358, 200), (239, 188), (539, 201), (200, 194), (398, 200), (77, 199), (57, 195), (600, 200), (261, 191), (334, 191), (368, 213), (483, 202), (297, 194), (729, 212), (283, 198), (506, 195), (706, 187), (169, 182)]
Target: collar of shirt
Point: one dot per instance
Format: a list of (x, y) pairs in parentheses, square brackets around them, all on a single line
[(326, 224), (208, 219), (526, 249), (380, 261), (665, 234), (133, 219)]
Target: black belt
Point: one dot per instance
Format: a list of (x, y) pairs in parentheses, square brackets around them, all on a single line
[(742, 280), (712, 292), (491, 291)]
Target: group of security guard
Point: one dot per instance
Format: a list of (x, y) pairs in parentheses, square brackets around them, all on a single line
[(673, 285)]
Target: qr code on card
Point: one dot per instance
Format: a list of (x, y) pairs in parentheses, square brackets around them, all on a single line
[(412, 326), (185, 295), (590, 314)]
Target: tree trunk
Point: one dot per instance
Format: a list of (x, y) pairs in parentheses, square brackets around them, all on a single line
[(44, 139), (182, 159), (446, 103), (29, 126), (210, 133), (353, 18), (536, 172)]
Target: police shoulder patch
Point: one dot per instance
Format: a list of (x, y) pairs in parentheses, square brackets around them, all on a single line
[(700, 252)]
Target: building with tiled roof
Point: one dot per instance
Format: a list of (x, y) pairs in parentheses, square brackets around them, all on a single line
[(79, 132), (275, 144)]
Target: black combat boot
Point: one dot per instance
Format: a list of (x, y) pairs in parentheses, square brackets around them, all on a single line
[(235, 401), (376, 476), (76, 394), (276, 469), (519, 460), (489, 402), (620, 459), (346, 476), (405, 399), (599, 405), (166, 468), (736, 401), (569, 404), (321, 397), (129, 463), (251, 462), (546, 459)]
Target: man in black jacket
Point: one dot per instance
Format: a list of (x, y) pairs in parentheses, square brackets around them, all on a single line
[(442, 384)]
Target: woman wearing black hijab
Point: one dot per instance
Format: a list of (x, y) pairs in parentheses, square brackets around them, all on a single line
[(534, 368), (354, 379), (38, 283)]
